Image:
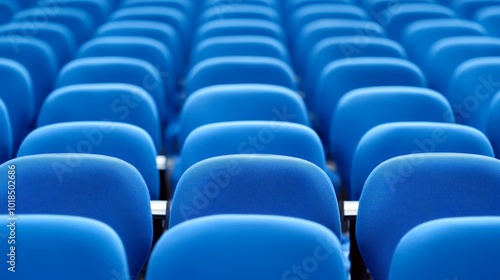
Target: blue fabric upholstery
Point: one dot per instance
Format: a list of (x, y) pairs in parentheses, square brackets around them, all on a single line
[(57, 36), (239, 46), (389, 140), (92, 186), (97, 70), (239, 70), (247, 247), (124, 141), (162, 32), (16, 92), (471, 89), (489, 17), (466, 248), (83, 248), (247, 102), (331, 49), (419, 36), (361, 109), (406, 13), (97, 9), (448, 53), (250, 137), (77, 21), (231, 27), (6, 132), (256, 184), (103, 102), (150, 50), (343, 75), (468, 8), (318, 30), (493, 122), (312, 12), (240, 11), (401, 194), (37, 57), (170, 16)]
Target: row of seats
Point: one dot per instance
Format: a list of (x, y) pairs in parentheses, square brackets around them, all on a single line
[(431, 187), (137, 79)]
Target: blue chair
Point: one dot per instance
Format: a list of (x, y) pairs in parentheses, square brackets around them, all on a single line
[(389, 140), (170, 16), (17, 96), (240, 11), (187, 7), (381, 10), (463, 247), (312, 12), (6, 132), (92, 186), (38, 58), (448, 53), (80, 23), (84, 248), (362, 109), (289, 6), (239, 46), (244, 102), (232, 27), (147, 49), (318, 30), (239, 70), (149, 29), (401, 194), (57, 36), (247, 247), (468, 8), (117, 70), (124, 141), (103, 102), (419, 36), (226, 5), (406, 13), (489, 17), (492, 122), (331, 49), (251, 137), (256, 184), (343, 75), (471, 90), (97, 9), (7, 10)]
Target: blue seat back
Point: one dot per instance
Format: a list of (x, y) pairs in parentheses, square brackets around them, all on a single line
[(389, 140), (360, 110), (469, 245), (224, 246), (103, 102), (43, 239), (92, 186), (124, 141), (395, 200), (256, 184)]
